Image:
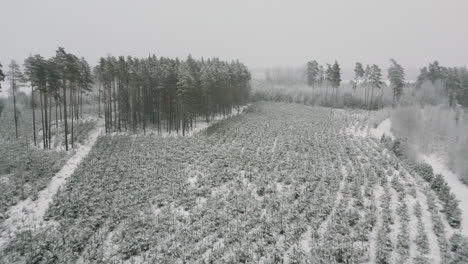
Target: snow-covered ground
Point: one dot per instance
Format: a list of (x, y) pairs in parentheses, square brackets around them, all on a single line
[(458, 188), (28, 214), (360, 130), (384, 128)]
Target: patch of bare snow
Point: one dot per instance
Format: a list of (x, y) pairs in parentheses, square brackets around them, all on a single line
[(275, 143), (306, 241), (384, 128), (28, 214)]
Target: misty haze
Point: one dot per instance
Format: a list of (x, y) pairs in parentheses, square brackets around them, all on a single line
[(262, 131)]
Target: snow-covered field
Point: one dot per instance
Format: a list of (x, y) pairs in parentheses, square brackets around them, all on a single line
[(280, 182), (28, 214)]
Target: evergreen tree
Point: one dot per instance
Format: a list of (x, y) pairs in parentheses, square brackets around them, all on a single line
[(366, 79), (358, 71), (85, 81), (435, 72), (15, 77), (2, 77), (329, 78), (53, 93), (463, 94), (312, 72), (35, 74), (396, 75), (423, 75), (375, 81), (358, 75), (336, 79), (97, 76), (321, 76), (452, 84), (62, 65)]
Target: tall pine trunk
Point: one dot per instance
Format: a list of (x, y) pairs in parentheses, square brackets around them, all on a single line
[(42, 120), (56, 114), (34, 115), (50, 121), (81, 103), (46, 119), (15, 115), (72, 102), (65, 114), (99, 100)]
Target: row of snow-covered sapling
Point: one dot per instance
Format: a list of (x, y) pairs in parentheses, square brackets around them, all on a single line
[(439, 199), (446, 199), (437, 182)]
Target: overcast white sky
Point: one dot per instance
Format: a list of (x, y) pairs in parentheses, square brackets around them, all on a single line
[(261, 33)]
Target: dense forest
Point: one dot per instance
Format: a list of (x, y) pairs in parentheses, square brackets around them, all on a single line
[(132, 93), (168, 93)]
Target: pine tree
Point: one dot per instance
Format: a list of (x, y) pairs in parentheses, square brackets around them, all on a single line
[(375, 81), (452, 84), (73, 77), (97, 76), (435, 72), (396, 75), (366, 80), (321, 76), (358, 71), (85, 81), (62, 65), (35, 74), (463, 94), (336, 79), (53, 92), (15, 77), (2, 77), (312, 71), (422, 77), (329, 79), (358, 75)]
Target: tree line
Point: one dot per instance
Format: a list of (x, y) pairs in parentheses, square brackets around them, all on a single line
[(369, 78), (132, 93), (454, 81), (54, 82), (168, 94)]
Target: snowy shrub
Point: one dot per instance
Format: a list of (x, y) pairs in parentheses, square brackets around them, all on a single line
[(459, 249), (403, 238), (420, 260), (422, 241), (2, 105), (425, 171), (384, 247)]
